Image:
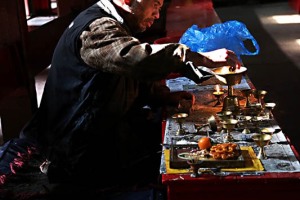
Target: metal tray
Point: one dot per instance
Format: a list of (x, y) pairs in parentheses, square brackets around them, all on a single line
[(179, 157)]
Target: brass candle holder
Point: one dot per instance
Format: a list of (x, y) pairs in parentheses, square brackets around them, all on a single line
[(194, 167), (247, 93), (211, 123), (231, 101), (258, 109), (269, 108), (180, 118), (224, 115), (259, 95), (229, 125), (218, 95), (261, 140), (246, 119), (256, 121), (267, 130)]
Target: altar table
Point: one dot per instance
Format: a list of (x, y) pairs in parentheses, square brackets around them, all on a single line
[(278, 178)]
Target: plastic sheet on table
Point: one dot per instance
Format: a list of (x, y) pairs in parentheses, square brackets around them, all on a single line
[(280, 159)]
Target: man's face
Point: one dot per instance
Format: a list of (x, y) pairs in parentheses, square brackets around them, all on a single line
[(145, 12)]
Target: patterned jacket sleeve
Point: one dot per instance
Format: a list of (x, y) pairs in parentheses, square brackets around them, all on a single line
[(109, 47)]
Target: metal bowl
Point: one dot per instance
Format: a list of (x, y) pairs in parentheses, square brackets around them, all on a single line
[(232, 77)]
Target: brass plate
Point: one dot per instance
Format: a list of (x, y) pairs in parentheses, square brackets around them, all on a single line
[(180, 155)]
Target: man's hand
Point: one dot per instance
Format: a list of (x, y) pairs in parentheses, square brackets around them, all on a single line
[(223, 57), (181, 52)]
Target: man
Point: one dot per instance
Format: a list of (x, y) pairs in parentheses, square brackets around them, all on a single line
[(103, 91)]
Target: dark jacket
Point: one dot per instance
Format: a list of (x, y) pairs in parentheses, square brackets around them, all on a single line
[(88, 116)]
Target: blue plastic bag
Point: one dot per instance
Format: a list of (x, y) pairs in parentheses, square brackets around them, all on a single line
[(230, 35)]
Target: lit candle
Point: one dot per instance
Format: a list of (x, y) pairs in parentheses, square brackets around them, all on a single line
[(218, 90), (218, 93)]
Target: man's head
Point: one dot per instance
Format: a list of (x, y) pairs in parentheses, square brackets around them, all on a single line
[(142, 12)]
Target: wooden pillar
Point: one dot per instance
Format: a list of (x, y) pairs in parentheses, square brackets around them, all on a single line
[(15, 100)]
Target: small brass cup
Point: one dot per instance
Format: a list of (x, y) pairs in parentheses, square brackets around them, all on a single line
[(246, 120), (180, 117), (259, 95), (268, 109), (261, 140), (229, 125)]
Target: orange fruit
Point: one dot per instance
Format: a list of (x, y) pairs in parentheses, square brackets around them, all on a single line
[(204, 143)]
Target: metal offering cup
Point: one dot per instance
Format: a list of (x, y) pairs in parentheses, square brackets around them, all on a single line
[(267, 130), (256, 109), (259, 95), (256, 121), (247, 94), (231, 102), (223, 115), (194, 167), (261, 140), (229, 125), (268, 108), (180, 117), (211, 123), (218, 95), (246, 119)]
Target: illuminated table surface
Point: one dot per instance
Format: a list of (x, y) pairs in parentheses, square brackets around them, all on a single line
[(280, 176)]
